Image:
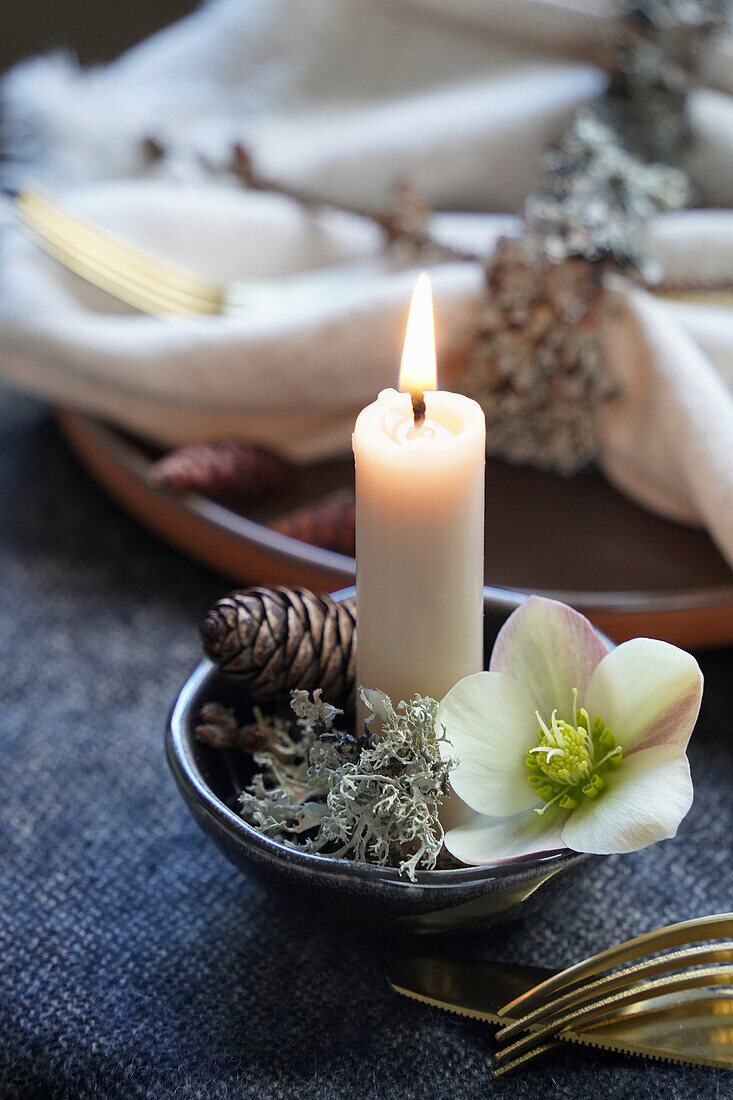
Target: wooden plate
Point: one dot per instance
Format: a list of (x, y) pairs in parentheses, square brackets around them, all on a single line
[(579, 540)]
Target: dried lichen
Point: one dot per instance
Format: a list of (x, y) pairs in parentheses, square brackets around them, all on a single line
[(369, 798)]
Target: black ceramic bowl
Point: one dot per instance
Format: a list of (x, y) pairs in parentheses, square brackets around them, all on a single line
[(380, 898)]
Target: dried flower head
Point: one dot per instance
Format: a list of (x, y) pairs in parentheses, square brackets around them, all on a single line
[(536, 362)]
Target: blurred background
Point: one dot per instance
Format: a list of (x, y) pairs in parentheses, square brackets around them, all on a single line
[(94, 32)]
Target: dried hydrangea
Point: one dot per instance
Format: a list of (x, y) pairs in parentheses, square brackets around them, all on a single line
[(369, 798), (595, 194), (536, 362)]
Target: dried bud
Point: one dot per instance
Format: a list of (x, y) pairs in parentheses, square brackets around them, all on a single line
[(218, 727), (242, 164)]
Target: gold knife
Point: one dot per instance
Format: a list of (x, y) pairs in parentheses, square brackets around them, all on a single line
[(693, 1026)]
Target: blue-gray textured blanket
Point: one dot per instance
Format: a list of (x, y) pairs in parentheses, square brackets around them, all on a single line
[(134, 960)]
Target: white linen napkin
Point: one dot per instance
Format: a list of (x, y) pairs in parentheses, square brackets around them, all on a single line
[(459, 96)]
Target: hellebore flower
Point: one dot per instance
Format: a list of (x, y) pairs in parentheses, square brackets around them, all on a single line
[(563, 744)]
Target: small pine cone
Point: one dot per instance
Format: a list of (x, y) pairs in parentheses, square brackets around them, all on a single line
[(240, 470), (278, 639), (329, 522)]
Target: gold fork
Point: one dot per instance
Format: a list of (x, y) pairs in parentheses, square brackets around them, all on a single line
[(692, 1025), (128, 273), (162, 289), (541, 1038), (617, 980), (577, 997), (678, 1017), (682, 933)]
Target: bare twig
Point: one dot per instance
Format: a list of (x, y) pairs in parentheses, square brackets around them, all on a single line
[(389, 221)]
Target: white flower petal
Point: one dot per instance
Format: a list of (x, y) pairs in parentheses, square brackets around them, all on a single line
[(645, 800), (496, 840), (552, 649), (648, 693), (490, 724)]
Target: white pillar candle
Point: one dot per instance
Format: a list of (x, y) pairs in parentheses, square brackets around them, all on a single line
[(419, 527)]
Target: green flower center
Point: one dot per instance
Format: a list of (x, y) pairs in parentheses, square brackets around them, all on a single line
[(570, 759)]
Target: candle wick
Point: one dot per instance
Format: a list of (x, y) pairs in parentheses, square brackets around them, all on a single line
[(418, 406)]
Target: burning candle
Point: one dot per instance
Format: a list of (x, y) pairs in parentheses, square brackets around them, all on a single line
[(419, 457)]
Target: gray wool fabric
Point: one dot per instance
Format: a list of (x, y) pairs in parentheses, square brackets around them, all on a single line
[(134, 960)]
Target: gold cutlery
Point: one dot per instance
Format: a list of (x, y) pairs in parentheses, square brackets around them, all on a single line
[(153, 286), (164, 289), (716, 926), (600, 987), (605, 1008), (105, 260), (684, 1015)]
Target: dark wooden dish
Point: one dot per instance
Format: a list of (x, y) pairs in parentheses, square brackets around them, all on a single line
[(637, 575)]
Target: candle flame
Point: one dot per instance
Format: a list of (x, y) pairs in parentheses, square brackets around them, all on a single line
[(418, 371)]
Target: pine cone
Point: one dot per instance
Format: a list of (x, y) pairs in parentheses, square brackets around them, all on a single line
[(278, 639), (329, 522), (240, 470)]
